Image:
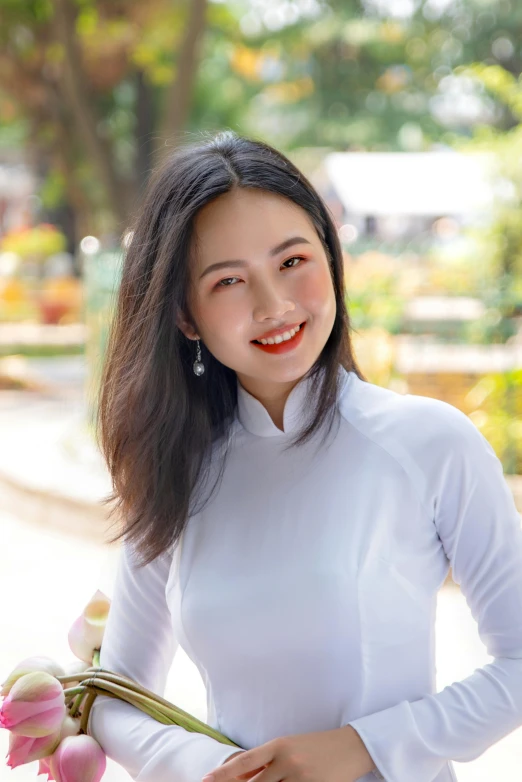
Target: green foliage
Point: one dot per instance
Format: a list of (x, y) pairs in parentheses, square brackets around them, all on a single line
[(343, 76), (375, 292), (52, 190), (13, 133), (384, 310), (499, 240), (496, 409), (24, 12), (41, 351), (160, 36)]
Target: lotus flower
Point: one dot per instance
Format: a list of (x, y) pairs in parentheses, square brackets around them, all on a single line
[(29, 665), (77, 643), (86, 633), (70, 727), (35, 706), (78, 759), (44, 768), (24, 749)]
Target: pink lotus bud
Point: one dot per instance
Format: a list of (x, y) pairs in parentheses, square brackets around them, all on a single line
[(70, 726), (77, 643), (35, 705), (44, 768), (29, 665), (24, 749), (95, 613), (79, 666), (86, 632), (78, 759)]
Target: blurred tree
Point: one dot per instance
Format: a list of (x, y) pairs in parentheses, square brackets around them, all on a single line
[(500, 241), (379, 74), (93, 81), (103, 88)]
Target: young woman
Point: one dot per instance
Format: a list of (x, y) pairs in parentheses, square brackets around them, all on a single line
[(285, 521)]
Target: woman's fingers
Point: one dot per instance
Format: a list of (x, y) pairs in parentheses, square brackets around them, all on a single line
[(250, 774)]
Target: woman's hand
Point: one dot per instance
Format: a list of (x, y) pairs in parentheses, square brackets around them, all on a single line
[(232, 756), (250, 774), (327, 756)]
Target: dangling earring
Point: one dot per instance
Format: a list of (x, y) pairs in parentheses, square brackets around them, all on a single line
[(198, 366)]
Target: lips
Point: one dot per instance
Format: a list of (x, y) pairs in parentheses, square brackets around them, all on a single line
[(277, 332), (285, 346)]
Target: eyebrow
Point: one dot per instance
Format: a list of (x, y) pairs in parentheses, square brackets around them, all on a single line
[(274, 251)]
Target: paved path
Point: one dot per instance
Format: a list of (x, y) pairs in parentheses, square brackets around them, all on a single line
[(47, 577)]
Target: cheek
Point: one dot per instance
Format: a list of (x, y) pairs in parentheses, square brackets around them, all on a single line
[(316, 291), (219, 319)]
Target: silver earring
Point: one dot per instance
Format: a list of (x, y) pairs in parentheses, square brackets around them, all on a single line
[(198, 366)]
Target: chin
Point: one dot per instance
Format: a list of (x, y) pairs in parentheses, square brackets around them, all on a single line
[(289, 373)]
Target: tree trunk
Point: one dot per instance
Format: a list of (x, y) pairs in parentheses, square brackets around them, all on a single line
[(145, 125), (82, 104), (179, 96), (65, 153)]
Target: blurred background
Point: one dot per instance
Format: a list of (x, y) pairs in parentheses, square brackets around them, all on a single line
[(405, 114)]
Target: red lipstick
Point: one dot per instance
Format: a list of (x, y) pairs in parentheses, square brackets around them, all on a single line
[(286, 345)]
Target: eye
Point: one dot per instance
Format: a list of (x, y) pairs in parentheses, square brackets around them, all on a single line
[(294, 258), (225, 282)]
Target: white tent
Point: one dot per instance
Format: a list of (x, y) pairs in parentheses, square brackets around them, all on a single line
[(411, 183)]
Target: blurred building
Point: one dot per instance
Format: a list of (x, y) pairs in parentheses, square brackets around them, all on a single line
[(396, 196)]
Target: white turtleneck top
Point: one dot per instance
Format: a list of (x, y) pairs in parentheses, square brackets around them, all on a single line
[(305, 593)]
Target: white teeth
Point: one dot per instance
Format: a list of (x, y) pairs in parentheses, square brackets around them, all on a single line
[(280, 337)]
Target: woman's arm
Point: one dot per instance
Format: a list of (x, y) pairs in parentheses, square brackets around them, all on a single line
[(139, 643), (480, 530)]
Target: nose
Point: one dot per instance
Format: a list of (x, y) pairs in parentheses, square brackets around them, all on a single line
[(271, 302)]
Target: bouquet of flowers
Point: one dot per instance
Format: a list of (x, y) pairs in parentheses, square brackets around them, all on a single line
[(46, 707)]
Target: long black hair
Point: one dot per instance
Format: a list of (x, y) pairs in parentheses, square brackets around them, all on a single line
[(157, 421)]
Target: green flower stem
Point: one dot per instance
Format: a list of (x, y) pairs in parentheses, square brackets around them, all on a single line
[(132, 693), (73, 677), (88, 674), (158, 716), (76, 703), (158, 708), (146, 700), (89, 700), (127, 683), (132, 685), (71, 691)]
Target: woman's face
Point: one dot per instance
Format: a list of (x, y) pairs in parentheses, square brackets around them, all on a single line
[(259, 288)]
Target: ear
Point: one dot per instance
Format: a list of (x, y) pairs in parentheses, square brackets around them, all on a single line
[(186, 327)]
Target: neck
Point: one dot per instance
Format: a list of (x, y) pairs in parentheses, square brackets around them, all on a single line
[(272, 396)]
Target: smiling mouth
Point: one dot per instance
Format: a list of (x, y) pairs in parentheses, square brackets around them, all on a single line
[(299, 327)]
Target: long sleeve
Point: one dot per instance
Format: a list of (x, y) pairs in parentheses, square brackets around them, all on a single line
[(469, 501), (139, 643)]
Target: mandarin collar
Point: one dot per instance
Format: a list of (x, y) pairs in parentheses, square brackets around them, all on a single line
[(254, 416)]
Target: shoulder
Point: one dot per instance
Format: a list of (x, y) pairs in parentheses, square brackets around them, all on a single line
[(404, 420), (426, 436)]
